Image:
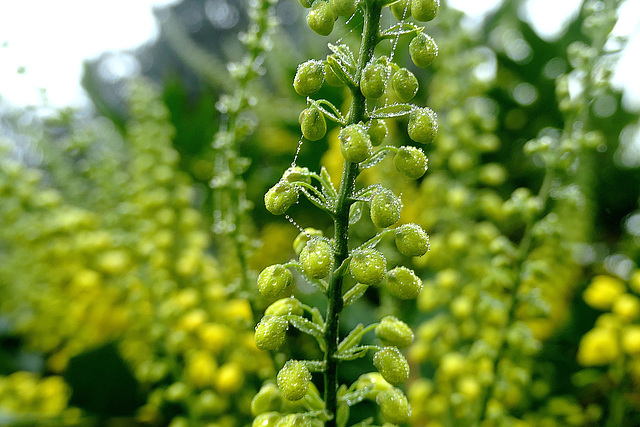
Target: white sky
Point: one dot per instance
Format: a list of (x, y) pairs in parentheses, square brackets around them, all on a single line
[(49, 39)]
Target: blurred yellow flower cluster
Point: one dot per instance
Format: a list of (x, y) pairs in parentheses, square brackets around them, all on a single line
[(615, 336), (118, 253), (26, 396), (490, 295)]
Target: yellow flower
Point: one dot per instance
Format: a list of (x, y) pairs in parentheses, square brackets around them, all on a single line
[(608, 321), (451, 365), (627, 306), (238, 310), (469, 387), (230, 378), (603, 291), (201, 369), (114, 261), (54, 393), (192, 320), (214, 336), (631, 339), (599, 346)]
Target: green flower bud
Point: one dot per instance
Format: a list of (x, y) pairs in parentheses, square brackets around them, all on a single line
[(394, 332), (344, 7), (312, 124), (355, 143), (280, 197), (423, 125), (267, 399), (423, 50), (330, 77), (412, 240), (271, 332), (394, 406), (367, 266), (309, 77), (297, 174), (403, 283), (401, 9), (392, 365), (268, 419), (385, 208), (320, 18), (424, 10), (284, 307), (372, 380), (293, 380), (374, 80), (316, 258), (306, 3), (295, 420), (405, 84), (377, 131), (303, 237), (273, 280), (410, 161)]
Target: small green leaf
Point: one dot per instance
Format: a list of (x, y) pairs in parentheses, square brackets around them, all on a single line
[(354, 293), (316, 317), (355, 212), (366, 193), (315, 366), (354, 397), (376, 158), (343, 52), (312, 398), (342, 414), (353, 354), (343, 71), (356, 352), (400, 29), (332, 113), (305, 325), (395, 110), (308, 327), (352, 339), (327, 184), (315, 197), (364, 423)]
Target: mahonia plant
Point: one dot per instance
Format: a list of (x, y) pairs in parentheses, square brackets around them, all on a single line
[(333, 265), (614, 344), (229, 188), (496, 295), (122, 241)]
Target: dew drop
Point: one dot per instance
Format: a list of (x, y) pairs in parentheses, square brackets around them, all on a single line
[(295, 224), (295, 157)]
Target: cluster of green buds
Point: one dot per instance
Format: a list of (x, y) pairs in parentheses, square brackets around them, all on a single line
[(342, 271), (479, 340), (121, 240), (26, 398), (230, 204)]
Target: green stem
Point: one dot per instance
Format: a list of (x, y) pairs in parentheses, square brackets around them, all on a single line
[(233, 193), (341, 220)]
